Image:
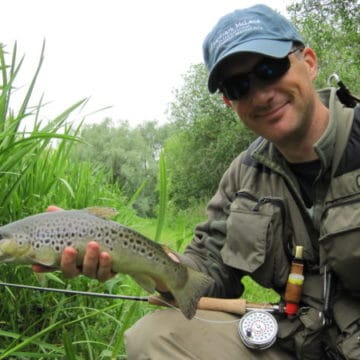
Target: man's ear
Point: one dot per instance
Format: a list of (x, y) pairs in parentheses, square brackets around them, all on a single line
[(311, 61), (226, 101)]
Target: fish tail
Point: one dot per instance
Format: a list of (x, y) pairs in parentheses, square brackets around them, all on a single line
[(189, 295)]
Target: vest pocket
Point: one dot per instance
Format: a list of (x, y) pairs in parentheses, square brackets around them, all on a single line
[(257, 239), (347, 316), (340, 241)]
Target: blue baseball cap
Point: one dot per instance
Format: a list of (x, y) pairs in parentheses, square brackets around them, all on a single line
[(257, 29)]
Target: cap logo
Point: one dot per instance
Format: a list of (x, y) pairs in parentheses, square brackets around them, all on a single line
[(235, 30)]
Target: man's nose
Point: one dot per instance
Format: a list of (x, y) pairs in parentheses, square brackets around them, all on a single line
[(261, 91)]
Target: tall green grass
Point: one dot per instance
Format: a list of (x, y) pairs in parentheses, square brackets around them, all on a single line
[(20, 150), (35, 171)]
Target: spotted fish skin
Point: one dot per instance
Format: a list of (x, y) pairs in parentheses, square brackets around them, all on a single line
[(41, 239)]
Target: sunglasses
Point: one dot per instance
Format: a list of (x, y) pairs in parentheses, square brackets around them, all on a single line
[(268, 69)]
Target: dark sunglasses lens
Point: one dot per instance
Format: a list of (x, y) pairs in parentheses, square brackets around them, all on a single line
[(272, 69), (236, 87)]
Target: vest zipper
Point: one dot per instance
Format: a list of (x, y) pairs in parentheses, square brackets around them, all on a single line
[(335, 205), (275, 201)]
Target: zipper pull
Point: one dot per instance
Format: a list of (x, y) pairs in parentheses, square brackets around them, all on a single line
[(259, 203)]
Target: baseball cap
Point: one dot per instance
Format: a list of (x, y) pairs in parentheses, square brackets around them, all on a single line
[(257, 29)]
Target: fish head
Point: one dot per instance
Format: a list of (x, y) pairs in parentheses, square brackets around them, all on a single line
[(13, 249)]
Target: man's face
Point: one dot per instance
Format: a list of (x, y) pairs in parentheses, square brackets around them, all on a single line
[(281, 111)]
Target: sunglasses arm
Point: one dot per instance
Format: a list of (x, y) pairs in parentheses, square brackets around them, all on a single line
[(226, 101)]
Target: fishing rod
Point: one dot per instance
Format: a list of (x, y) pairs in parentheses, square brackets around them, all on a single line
[(257, 327), (75, 292), (234, 306)]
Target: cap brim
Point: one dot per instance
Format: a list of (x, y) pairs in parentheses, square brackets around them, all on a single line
[(273, 48)]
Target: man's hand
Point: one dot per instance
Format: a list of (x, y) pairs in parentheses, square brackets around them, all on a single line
[(96, 264)]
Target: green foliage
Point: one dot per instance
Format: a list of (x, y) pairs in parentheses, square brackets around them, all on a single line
[(129, 155), (54, 326), (332, 29), (208, 137), (25, 154), (35, 171)]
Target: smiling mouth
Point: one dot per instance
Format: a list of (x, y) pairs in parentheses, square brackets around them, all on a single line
[(270, 113)]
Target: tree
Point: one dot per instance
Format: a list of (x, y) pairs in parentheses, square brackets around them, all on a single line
[(208, 136), (332, 29), (129, 155)]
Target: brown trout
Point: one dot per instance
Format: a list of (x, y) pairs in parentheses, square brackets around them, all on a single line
[(41, 238)]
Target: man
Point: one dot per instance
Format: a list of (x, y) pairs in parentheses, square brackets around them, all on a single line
[(298, 184)]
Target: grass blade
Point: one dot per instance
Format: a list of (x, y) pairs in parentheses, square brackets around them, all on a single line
[(29, 340), (162, 197), (68, 346)]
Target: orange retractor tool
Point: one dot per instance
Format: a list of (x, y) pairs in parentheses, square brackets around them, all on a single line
[(295, 283)]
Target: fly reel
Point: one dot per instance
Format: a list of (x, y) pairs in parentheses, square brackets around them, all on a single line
[(258, 329)]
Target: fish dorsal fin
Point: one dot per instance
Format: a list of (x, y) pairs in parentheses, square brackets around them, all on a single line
[(102, 212), (165, 248)]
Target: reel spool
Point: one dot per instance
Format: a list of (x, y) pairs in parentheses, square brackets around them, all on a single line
[(258, 329)]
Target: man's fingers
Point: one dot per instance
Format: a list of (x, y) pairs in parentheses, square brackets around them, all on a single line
[(68, 263), (52, 208), (97, 264), (104, 272), (91, 260)]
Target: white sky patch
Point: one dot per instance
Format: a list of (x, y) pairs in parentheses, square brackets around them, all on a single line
[(129, 55)]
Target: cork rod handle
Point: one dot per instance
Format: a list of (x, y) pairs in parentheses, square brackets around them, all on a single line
[(233, 306)]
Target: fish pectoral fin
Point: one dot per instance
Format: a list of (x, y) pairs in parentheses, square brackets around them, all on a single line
[(145, 281), (45, 256)]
